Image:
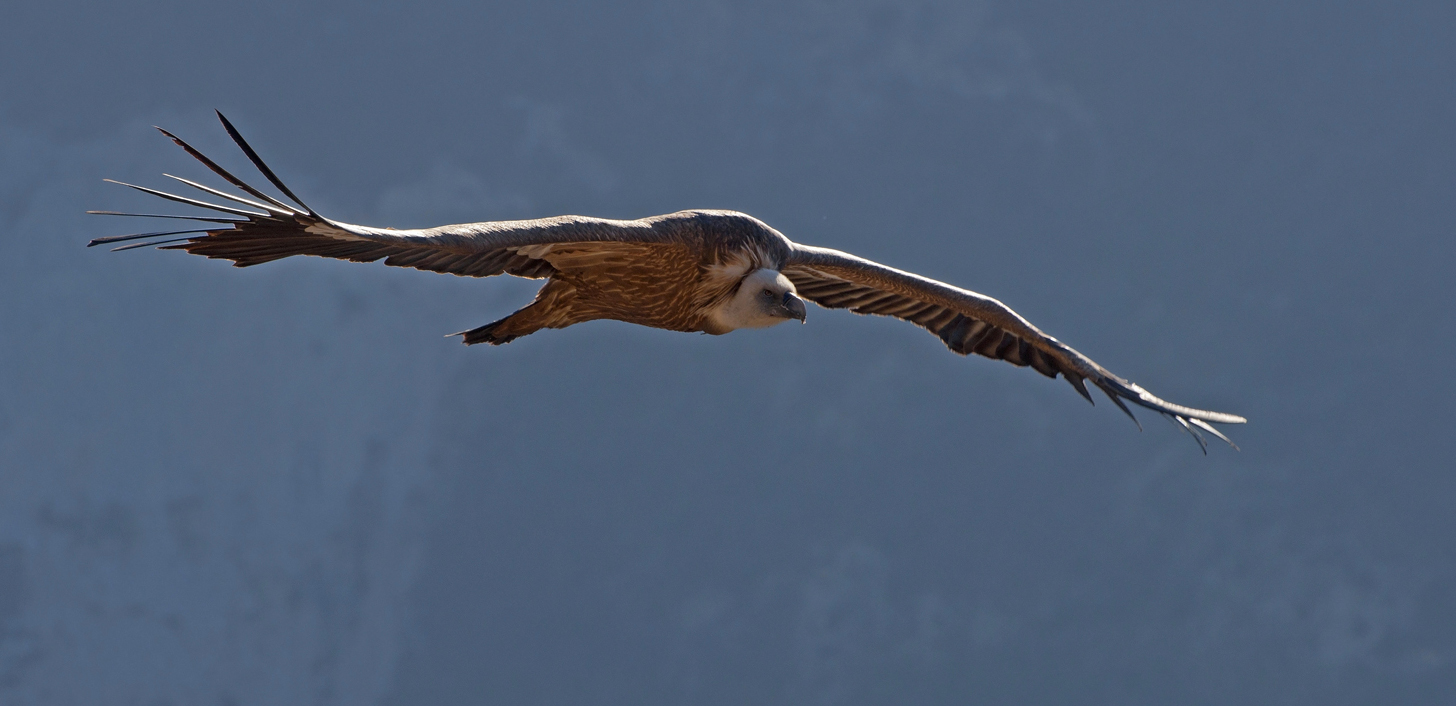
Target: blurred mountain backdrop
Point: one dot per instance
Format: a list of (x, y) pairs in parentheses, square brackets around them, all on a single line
[(281, 485)]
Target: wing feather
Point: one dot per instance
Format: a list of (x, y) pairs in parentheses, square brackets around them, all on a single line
[(969, 323), (277, 230)]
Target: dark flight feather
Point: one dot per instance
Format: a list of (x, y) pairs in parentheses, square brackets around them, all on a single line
[(258, 162), (190, 202), (236, 199), (205, 219), (136, 236), (150, 243), (225, 174)]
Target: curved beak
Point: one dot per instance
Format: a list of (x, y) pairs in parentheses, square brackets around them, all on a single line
[(794, 307)]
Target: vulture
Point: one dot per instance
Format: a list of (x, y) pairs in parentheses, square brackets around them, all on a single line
[(699, 271)]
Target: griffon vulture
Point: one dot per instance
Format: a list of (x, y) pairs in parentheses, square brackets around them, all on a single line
[(708, 271)]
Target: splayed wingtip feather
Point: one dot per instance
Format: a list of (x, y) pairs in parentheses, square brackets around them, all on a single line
[(137, 236), (1183, 422), (225, 174), (258, 162), (1081, 387), (148, 244), (205, 219), (236, 199), (1210, 429), (191, 202), (1112, 395)]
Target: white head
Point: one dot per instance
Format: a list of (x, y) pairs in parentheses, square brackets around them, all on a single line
[(764, 298)]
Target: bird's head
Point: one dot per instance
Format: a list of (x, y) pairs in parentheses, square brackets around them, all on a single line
[(764, 298)]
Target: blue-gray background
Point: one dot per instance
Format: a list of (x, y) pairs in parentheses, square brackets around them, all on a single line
[(282, 485)]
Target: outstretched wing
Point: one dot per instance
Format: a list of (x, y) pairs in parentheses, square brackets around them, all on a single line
[(971, 323), (251, 231)]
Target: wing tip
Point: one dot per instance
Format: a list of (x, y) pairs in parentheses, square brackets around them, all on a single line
[(1210, 429), (1078, 384), (259, 164), (1112, 394)]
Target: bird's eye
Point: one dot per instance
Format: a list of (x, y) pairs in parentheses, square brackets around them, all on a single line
[(768, 293)]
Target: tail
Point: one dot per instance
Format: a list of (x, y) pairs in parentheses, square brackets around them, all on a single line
[(493, 333), (556, 306)]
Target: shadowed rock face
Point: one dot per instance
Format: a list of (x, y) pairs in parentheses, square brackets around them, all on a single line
[(282, 485)]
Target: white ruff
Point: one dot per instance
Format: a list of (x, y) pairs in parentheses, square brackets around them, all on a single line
[(747, 307)]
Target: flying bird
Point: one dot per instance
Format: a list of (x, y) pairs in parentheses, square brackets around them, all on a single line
[(697, 271)]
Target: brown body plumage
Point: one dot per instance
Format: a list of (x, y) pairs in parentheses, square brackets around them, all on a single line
[(709, 271)]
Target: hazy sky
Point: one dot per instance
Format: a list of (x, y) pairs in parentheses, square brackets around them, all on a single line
[(283, 485)]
